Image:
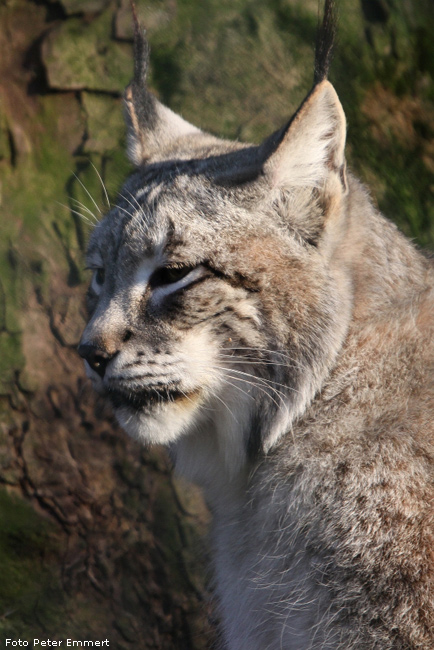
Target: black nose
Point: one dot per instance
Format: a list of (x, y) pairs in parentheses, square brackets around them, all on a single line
[(97, 359)]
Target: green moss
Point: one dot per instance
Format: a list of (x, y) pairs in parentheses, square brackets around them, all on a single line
[(11, 359), (83, 56), (5, 151), (105, 123), (33, 601), (30, 593), (245, 67), (41, 234), (29, 247), (85, 6), (37, 182), (384, 57)]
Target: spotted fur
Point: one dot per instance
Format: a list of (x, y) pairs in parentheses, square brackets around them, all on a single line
[(251, 310)]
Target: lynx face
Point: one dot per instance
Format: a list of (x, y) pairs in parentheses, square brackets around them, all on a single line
[(206, 307), (218, 301)]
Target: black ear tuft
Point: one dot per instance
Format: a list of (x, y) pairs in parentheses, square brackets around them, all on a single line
[(325, 39), (140, 103), (141, 51), (151, 126)]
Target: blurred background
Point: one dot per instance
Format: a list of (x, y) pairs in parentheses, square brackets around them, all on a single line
[(97, 539)]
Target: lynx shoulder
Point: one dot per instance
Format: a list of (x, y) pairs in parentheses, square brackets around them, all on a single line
[(253, 311)]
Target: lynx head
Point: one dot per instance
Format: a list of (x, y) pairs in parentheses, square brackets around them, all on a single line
[(219, 297)]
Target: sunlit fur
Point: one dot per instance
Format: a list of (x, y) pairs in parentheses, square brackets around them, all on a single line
[(289, 372)]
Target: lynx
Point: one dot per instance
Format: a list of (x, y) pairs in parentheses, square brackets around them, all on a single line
[(251, 310)]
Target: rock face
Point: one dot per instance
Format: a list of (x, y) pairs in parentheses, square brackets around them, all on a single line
[(81, 56), (97, 540)]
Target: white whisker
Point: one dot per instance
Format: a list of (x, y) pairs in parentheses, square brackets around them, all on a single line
[(249, 361), (261, 351), (103, 185), (217, 370), (79, 214), (88, 193), (262, 389), (85, 208), (268, 382)]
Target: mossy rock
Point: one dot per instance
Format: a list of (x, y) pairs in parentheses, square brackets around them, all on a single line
[(11, 360), (84, 6), (31, 594), (155, 14), (5, 150), (80, 56), (105, 124)]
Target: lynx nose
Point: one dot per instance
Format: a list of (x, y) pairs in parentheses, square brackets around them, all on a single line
[(97, 359)]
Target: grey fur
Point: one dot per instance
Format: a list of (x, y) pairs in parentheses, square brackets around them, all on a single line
[(289, 369)]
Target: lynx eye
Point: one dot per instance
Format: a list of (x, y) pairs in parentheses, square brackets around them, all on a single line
[(169, 275), (99, 276), (97, 280)]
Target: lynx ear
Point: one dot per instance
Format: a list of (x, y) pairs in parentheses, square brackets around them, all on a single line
[(151, 125), (307, 150)]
